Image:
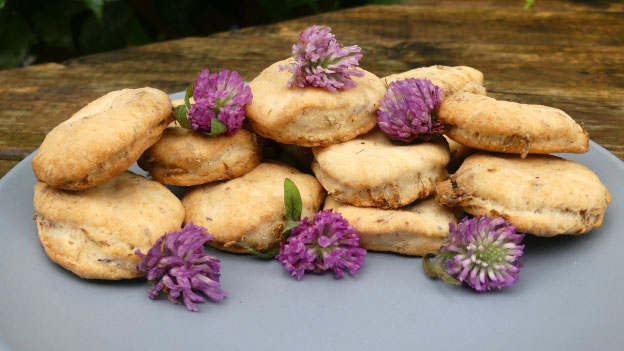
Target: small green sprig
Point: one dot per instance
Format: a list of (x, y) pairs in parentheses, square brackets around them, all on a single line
[(528, 4), (293, 206), (180, 112), (436, 269), (269, 254), (181, 115)]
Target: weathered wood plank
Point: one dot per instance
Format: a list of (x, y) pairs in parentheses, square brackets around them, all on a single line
[(589, 78), (440, 24), (569, 57), (539, 5)]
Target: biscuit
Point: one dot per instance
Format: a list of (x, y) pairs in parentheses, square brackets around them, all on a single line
[(249, 211), (484, 123), (371, 171), (449, 79), (416, 229), (95, 232), (103, 139), (185, 157), (540, 194), (312, 116)]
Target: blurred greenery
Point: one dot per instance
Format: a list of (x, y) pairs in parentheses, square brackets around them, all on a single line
[(35, 31)]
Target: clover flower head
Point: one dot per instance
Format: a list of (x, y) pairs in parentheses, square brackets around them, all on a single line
[(485, 253), (220, 95), (179, 266), (323, 243), (408, 110), (321, 61)]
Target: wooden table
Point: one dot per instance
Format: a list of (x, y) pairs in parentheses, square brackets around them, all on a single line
[(564, 54)]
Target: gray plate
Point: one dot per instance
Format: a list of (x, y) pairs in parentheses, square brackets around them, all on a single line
[(569, 296)]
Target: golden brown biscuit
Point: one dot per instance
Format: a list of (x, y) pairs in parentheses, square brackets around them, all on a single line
[(416, 229), (103, 139), (185, 157), (541, 194), (484, 123), (449, 79), (95, 232), (312, 116), (249, 211), (370, 171)]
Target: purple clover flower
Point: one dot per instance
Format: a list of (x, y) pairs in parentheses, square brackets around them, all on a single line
[(180, 267), (486, 253), (327, 242), (409, 108), (322, 62), (220, 95)]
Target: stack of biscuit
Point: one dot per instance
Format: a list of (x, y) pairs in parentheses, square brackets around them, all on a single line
[(383, 189), (512, 176), (236, 196), (248, 212), (400, 198), (92, 214), (388, 198)]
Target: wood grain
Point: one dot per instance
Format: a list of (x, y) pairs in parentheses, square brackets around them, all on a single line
[(565, 54)]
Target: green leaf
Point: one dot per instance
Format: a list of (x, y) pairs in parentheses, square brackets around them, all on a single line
[(180, 115), (187, 97), (216, 127), (445, 276), (96, 6), (289, 225), (528, 4), (180, 112), (428, 267), (292, 201), (2, 3), (265, 255)]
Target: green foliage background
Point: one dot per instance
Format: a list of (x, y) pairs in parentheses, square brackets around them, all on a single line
[(34, 31)]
